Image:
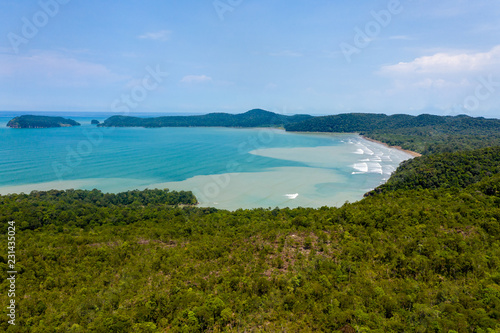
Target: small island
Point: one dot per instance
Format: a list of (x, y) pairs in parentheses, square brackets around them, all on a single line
[(95, 122), (29, 121)]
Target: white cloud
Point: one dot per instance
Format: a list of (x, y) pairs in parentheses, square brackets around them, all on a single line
[(196, 79), (444, 79), (441, 83), (271, 86), (447, 63), (401, 37), (162, 35), (286, 53)]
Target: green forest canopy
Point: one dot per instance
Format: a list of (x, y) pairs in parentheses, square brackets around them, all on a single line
[(425, 134), (252, 118), (29, 121)]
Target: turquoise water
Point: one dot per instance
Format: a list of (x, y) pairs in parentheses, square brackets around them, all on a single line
[(226, 168)]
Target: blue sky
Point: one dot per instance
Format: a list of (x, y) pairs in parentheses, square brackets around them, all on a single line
[(295, 56)]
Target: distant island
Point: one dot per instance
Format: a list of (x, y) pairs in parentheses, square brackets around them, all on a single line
[(252, 118), (95, 122), (30, 121)]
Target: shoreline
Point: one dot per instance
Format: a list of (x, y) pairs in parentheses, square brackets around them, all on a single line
[(412, 153)]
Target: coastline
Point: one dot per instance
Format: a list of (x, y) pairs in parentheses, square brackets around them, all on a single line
[(412, 153)]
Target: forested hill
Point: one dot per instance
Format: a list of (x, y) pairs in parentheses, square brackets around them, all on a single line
[(449, 170), (424, 134), (252, 118), (364, 122), (29, 121), (79, 207)]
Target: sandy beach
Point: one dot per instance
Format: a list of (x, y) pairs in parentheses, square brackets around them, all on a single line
[(412, 153)]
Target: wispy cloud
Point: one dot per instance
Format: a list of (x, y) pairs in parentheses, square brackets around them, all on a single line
[(401, 37), (311, 91), (49, 68), (196, 79), (6, 50), (271, 86), (162, 35), (286, 53), (486, 28), (65, 50)]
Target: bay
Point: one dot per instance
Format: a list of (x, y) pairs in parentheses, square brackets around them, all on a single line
[(226, 168)]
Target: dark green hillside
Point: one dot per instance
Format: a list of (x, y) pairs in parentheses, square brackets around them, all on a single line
[(362, 122), (80, 208), (448, 170), (40, 122), (408, 259), (425, 134), (252, 118)]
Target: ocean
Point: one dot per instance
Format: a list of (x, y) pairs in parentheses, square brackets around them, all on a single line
[(226, 168)]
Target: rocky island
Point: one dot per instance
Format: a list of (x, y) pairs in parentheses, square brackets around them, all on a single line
[(29, 121)]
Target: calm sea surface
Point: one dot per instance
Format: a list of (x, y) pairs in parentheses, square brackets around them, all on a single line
[(225, 168)]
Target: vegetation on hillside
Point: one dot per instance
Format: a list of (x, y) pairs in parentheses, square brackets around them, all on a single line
[(448, 170), (252, 118), (425, 134), (29, 121), (82, 208)]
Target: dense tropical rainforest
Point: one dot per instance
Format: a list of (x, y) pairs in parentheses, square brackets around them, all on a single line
[(418, 254), (29, 121)]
